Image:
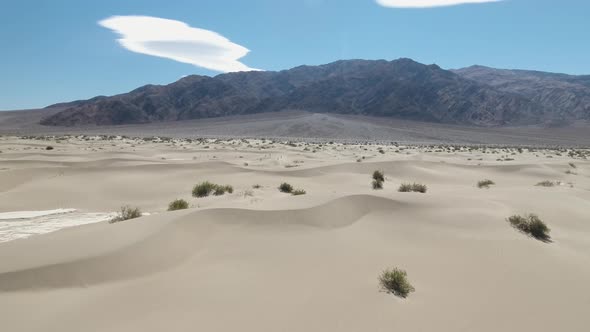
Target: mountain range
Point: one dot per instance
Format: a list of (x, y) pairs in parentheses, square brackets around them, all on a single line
[(402, 88)]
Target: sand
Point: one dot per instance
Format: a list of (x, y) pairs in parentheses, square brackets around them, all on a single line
[(262, 260)]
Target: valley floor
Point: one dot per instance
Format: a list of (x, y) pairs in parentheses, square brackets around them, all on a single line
[(262, 260)]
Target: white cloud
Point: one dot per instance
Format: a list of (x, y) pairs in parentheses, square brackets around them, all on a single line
[(428, 3), (177, 41)]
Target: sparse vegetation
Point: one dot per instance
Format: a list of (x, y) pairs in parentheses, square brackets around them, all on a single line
[(546, 183), (412, 187), (286, 188), (207, 188), (531, 225), (377, 185), (126, 213), (203, 189), (379, 176), (178, 204), (378, 179), (298, 192), (485, 183), (395, 281)]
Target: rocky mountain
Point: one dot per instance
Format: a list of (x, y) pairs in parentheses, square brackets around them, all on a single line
[(567, 97), (401, 88)]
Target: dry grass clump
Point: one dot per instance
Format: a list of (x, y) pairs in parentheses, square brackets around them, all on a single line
[(546, 183), (126, 213), (412, 187), (532, 225), (178, 204), (286, 188), (395, 281), (485, 183), (207, 188), (298, 192)]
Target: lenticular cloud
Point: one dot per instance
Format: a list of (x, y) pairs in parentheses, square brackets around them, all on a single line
[(178, 41), (428, 3)]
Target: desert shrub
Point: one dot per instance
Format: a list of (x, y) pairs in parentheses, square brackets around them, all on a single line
[(378, 179), (531, 225), (178, 204), (485, 183), (377, 184), (207, 188), (421, 188), (49, 148), (379, 176), (126, 213), (298, 192), (221, 190), (218, 191), (572, 165), (256, 186), (286, 188), (405, 188), (546, 183), (395, 281), (412, 187), (229, 189), (203, 189)]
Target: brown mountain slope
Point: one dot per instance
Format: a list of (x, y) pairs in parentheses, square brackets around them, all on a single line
[(401, 88)]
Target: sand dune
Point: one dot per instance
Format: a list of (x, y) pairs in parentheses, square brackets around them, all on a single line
[(262, 260)]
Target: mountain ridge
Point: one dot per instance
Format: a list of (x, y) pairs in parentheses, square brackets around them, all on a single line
[(400, 88)]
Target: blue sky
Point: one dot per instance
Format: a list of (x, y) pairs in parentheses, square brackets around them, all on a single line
[(56, 50)]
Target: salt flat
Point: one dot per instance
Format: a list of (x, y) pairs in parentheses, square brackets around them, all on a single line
[(262, 260)]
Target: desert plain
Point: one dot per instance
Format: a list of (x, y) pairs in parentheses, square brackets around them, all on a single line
[(259, 259)]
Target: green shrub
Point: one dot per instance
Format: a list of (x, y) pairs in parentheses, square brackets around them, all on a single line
[(179, 204), (485, 183), (395, 281), (298, 192), (286, 188), (546, 183), (531, 225), (203, 189), (126, 213), (379, 176), (207, 188), (219, 190), (413, 187)]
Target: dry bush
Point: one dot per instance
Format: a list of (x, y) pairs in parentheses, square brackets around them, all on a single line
[(395, 281), (126, 213)]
